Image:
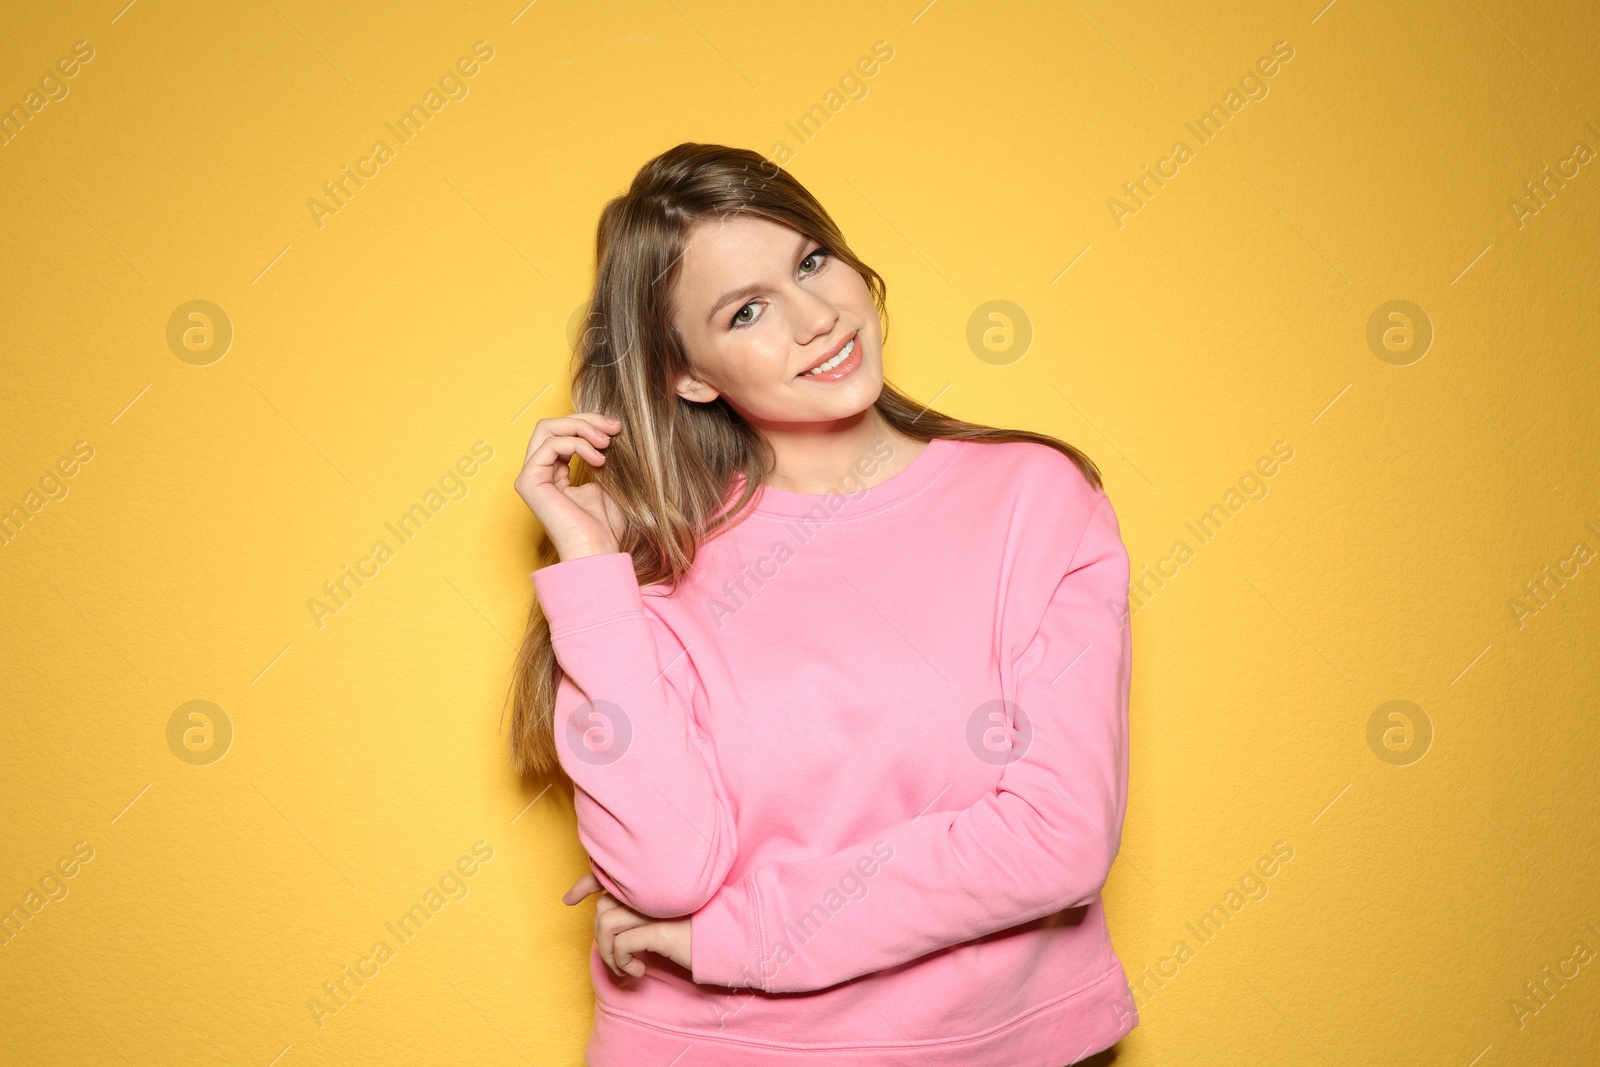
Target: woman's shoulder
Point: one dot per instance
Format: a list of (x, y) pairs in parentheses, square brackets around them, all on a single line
[(1038, 474)]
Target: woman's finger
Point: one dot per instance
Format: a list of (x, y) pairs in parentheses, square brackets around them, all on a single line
[(609, 919), (582, 889), (552, 452), (608, 924), (605, 937), (626, 946), (591, 424)]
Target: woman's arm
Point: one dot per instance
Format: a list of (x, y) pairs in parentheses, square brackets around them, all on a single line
[(652, 813), (1044, 841)]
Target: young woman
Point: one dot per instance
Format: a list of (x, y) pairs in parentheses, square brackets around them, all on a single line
[(841, 682)]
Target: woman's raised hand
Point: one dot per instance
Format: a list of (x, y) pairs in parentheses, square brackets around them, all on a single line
[(580, 519)]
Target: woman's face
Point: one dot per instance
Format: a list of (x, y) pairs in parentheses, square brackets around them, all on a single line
[(757, 304)]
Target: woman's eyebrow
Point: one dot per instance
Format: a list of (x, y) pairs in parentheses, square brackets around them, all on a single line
[(746, 291), (741, 293)]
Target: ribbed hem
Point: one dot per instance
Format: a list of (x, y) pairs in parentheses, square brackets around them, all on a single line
[(1082, 1022), (589, 589), (720, 932)]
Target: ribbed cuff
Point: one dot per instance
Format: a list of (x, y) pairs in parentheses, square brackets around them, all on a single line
[(724, 942), (579, 592)]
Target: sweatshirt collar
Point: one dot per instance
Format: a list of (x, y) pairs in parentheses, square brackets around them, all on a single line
[(848, 503)]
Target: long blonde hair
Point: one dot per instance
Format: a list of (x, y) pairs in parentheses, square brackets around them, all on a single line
[(670, 471)]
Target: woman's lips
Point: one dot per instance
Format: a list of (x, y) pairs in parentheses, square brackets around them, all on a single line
[(849, 365)]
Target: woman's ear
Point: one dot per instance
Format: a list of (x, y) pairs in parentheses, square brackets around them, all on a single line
[(691, 388)]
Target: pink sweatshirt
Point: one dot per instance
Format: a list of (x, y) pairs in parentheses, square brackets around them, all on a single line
[(875, 747)]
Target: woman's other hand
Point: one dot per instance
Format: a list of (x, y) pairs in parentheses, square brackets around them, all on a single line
[(622, 933), (580, 519)]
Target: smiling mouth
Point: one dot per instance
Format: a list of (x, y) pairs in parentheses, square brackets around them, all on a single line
[(826, 365)]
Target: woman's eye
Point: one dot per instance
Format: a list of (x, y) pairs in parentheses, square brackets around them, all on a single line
[(817, 254)]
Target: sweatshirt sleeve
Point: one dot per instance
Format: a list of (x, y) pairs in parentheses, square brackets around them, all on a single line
[(652, 813), (1042, 842)]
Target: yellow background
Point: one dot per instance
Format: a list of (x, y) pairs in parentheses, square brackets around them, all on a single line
[(433, 310)]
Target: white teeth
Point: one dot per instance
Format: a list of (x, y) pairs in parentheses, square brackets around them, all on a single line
[(844, 354)]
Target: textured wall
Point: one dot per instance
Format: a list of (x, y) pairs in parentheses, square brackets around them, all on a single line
[(1353, 321)]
